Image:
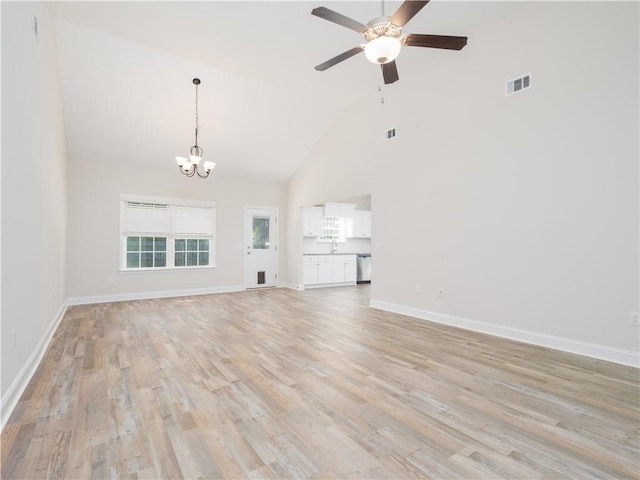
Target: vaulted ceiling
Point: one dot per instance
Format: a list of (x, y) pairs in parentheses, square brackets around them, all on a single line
[(127, 68)]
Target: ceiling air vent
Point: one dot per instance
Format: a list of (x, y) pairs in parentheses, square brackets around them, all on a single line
[(389, 134), (518, 84)]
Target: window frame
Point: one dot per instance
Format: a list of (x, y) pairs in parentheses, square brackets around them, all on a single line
[(171, 236), (325, 237)]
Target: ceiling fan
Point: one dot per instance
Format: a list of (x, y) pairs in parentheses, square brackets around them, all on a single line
[(385, 39)]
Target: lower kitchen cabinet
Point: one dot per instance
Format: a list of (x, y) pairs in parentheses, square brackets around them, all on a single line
[(325, 270), (344, 269), (329, 269), (310, 271)]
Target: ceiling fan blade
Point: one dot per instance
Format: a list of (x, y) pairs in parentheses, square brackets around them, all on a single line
[(390, 72), (407, 11), (435, 41), (339, 58), (338, 18)]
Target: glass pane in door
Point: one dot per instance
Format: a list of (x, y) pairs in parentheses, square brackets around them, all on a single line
[(260, 233)]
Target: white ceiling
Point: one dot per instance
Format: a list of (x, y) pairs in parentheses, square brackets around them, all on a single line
[(126, 70)]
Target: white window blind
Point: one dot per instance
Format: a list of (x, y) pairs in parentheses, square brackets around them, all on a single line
[(146, 218), (166, 233), (193, 220)]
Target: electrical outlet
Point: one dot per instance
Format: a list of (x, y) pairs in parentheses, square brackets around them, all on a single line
[(418, 288), (441, 292), (634, 319), (13, 339)]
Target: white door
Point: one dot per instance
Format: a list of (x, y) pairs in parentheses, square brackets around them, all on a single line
[(261, 249)]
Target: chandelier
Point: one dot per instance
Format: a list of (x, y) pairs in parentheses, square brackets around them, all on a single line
[(190, 166)]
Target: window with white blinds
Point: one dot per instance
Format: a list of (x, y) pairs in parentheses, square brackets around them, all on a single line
[(193, 220), (166, 233), (141, 218)]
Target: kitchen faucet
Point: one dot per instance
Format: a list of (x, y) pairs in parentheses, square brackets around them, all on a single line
[(334, 246)]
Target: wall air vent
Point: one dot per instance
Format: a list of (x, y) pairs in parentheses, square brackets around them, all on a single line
[(518, 84), (389, 134)]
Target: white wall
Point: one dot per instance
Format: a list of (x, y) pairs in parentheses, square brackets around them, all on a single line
[(523, 208), (34, 216), (94, 216)]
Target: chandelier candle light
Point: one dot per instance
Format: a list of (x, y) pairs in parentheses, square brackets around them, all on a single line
[(189, 166)]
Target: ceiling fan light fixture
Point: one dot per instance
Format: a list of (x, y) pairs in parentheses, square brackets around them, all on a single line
[(383, 49)]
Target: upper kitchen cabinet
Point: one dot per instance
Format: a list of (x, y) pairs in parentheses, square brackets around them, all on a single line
[(361, 225), (312, 221), (341, 210)]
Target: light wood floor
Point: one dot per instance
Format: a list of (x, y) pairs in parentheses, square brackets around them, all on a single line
[(314, 384)]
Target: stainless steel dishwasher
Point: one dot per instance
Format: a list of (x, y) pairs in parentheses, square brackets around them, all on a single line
[(364, 268)]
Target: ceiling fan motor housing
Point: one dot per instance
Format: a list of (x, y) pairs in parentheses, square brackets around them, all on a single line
[(381, 26)]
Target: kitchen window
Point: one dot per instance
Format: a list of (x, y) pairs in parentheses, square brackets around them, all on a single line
[(159, 234), (333, 229)]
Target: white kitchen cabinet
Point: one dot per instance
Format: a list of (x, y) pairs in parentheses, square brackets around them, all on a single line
[(329, 269), (342, 210), (351, 271), (325, 269), (310, 270), (312, 221), (317, 269), (361, 225), (344, 269)]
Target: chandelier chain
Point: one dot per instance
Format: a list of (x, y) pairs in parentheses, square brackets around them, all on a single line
[(197, 117)]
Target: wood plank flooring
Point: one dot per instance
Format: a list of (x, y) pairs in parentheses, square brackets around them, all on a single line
[(314, 384)]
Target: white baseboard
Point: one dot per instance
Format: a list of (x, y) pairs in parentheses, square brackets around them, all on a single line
[(19, 384), (601, 352), (291, 286), (327, 285), (124, 297)]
